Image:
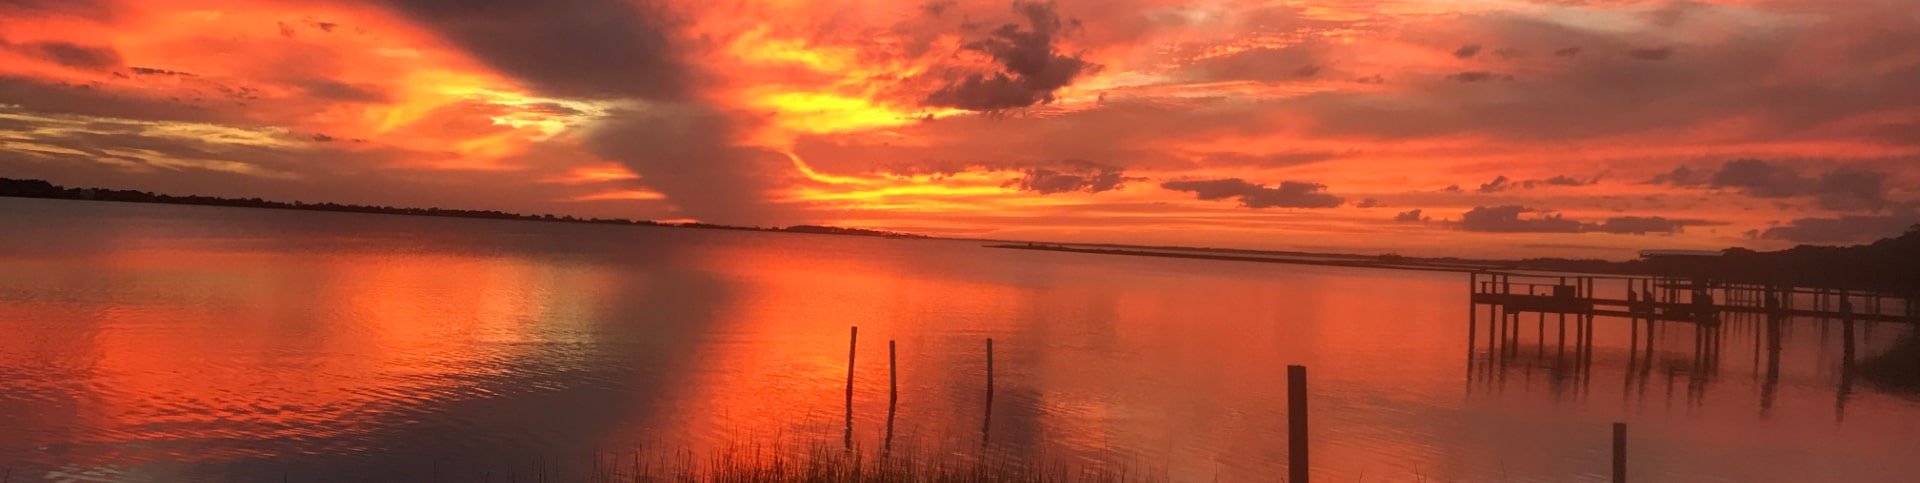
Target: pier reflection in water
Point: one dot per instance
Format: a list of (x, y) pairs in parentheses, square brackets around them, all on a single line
[(176, 343), (1676, 334)]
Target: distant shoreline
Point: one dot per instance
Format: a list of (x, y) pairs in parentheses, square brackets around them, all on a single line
[(41, 189), (1357, 262), (1891, 265)]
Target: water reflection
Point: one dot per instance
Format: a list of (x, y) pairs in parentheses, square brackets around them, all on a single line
[(1666, 351), (165, 343)]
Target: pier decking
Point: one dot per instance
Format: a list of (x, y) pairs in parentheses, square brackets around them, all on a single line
[(1680, 300)]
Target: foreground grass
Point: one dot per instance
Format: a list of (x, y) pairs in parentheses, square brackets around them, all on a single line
[(826, 464)]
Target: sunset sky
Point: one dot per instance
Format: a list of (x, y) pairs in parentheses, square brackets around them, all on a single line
[(1473, 127)]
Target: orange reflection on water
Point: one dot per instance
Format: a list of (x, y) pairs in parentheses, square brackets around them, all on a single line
[(206, 337), (194, 347)]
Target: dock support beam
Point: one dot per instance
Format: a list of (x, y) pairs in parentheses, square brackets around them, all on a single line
[(853, 341), (1297, 424), (1619, 452)]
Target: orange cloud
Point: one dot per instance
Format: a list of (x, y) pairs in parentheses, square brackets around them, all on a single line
[(972, 116)]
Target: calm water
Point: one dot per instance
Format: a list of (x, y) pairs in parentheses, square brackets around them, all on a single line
[(148, 342)]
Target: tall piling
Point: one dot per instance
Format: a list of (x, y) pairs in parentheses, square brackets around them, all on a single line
[(893, 393), (853, 342), (986, 424), (1619, 452), (1297, 423)]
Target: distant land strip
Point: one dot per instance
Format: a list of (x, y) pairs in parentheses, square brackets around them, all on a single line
[(34, 188), (1387, 262), (1890, 265)]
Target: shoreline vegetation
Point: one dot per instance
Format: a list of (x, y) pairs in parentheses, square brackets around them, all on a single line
[(34, 188), (1890, 266)]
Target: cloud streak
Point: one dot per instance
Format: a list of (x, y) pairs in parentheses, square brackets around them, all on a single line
[(1289, 194), (1516, 219)]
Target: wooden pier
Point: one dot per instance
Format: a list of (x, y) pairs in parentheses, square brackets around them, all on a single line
[(1680, 300), (1645, 304)]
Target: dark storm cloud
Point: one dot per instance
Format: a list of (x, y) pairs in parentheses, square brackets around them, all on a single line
[(68, 54), (1500, 183), (574, 48), (630, 50), (1410, 216), (161, 72), (1844, 229), (1507, 219), (1477, 76), (1567, 52), (1511, 219), (1367, 203), (1641, 225), (1467, 51), (1852, 189), (1840, 189), (1289, 194), (1076, 176), (341, 91), (1031, 67), (687, 154), (1503, 183)]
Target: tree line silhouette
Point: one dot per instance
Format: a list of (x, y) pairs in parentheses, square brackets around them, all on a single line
[(35, 188), (1890, 265)]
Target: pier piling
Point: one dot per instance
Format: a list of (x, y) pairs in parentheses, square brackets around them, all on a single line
[(893, 376), (1619, 452), (853, 341), (986, 425), (1297, 423), (893, 394)]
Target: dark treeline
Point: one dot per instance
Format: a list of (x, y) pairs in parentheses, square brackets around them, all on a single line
[(34, 188), (1890, 265)]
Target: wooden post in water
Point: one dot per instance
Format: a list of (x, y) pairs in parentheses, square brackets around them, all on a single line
[(1473, 313), (1846, 326), (986, 425), (1501, 349), (1633, 346), (853, 341), (893, 393), (1619, 452), (1297, 424), (893, 376), (1540, 335)]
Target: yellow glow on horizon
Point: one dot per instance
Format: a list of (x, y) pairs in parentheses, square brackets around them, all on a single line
[(621, 195)]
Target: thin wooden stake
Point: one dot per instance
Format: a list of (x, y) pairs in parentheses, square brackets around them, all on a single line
[(1297, 423), (893, 375), (893, 394), (986, 424), (1619, 452), (853, 342)]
